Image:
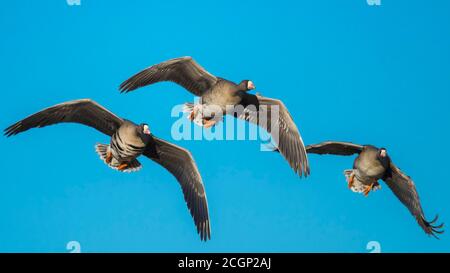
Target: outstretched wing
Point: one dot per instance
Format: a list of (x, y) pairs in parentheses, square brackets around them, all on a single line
[(334, 148), (183, 71), (405, 190), (289, 142), (180, 163), (84, 111)]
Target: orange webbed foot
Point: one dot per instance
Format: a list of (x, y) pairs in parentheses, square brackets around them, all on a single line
[(351, 180), (192, 115), (122, 166), (108, 157), (208, 123), (368, 189)]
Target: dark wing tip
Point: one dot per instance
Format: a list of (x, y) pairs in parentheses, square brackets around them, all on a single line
[(13, 129), (198, 208), (126, 86), (431, 228), (201, 218), (132, 83), (307, 171), (204, 230), (302, 170)]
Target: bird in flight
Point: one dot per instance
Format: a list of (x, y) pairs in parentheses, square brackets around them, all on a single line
[(128, 141), (373, 164), (218, 94)]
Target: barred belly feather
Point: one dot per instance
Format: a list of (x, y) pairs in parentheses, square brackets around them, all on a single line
[(122, 149)]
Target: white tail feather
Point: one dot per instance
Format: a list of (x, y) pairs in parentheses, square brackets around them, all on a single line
[(357, 185)]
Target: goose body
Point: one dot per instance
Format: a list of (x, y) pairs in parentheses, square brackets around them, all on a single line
[(369, 165), (126, 144), (367, 170), (225, 93)]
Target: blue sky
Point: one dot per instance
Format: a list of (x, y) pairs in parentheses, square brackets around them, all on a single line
[(346, 71)]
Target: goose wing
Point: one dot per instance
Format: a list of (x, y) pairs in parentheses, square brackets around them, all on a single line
[(334, 148), (403, 187), (180, 163), (84, 111), (273, 116), (184, 71)]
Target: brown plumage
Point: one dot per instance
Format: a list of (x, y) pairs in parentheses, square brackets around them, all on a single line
[(129, 141), (216, 92)]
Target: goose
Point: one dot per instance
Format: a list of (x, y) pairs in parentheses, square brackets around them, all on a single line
[(218, 94), (127, 142), (371, 165)]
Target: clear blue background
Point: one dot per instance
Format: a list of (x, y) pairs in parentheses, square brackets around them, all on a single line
[(346, 71)]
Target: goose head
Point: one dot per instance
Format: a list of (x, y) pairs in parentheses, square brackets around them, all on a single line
[(246, 85), (143, 131), (383, 156)]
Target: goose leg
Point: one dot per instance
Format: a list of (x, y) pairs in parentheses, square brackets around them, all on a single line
[(192, 115), (368, 189), (351, 180), (209, 123), (108, 157), (122, 166)]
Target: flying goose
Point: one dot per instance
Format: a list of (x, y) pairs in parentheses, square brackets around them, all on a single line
[(129, 141), (372, 164), (222, 93)]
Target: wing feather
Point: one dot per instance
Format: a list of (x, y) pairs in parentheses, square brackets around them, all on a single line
[(180, 163), (290, 143), (184, 71), (335, 148), (403, 187), (84, 111)]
